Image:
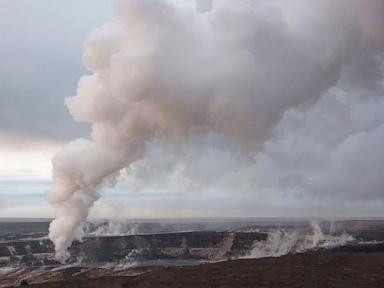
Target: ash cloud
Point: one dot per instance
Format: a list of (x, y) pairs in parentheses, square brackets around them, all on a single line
[(262, 98)]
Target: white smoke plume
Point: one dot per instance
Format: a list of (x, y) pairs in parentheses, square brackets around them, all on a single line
[(287, 92), (283, 242)]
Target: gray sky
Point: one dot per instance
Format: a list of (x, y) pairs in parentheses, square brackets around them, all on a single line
[(309, 152), (40, 63), (40, 56)]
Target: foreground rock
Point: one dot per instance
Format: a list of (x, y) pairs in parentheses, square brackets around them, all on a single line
[(312, 270)]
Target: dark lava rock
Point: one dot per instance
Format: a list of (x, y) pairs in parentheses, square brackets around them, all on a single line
[(209, 245), (24, 283), (321, 269)]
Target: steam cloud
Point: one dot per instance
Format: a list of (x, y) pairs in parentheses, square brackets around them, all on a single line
[(275, 95)]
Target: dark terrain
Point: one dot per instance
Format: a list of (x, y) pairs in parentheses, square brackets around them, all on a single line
[(347, 253), (311, 269)]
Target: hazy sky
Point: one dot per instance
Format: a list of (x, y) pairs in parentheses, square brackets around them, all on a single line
[(308, 76), (40, 64)]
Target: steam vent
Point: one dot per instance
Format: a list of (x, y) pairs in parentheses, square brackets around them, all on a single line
[(188, 246)]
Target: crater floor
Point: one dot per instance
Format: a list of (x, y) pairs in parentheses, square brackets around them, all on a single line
[(320, 269)]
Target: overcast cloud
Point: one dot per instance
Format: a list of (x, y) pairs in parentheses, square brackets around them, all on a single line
[(280, 114), (40, 56)]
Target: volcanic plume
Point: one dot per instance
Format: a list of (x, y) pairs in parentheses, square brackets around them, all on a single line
[(291, 92)]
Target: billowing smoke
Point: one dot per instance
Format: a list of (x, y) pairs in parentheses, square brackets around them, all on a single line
[(252, 95), (282, 242)]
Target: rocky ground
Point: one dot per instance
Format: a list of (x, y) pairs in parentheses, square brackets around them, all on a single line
[(313, 269)]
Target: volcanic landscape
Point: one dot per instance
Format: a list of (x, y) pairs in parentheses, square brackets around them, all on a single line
[(193, 253)]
